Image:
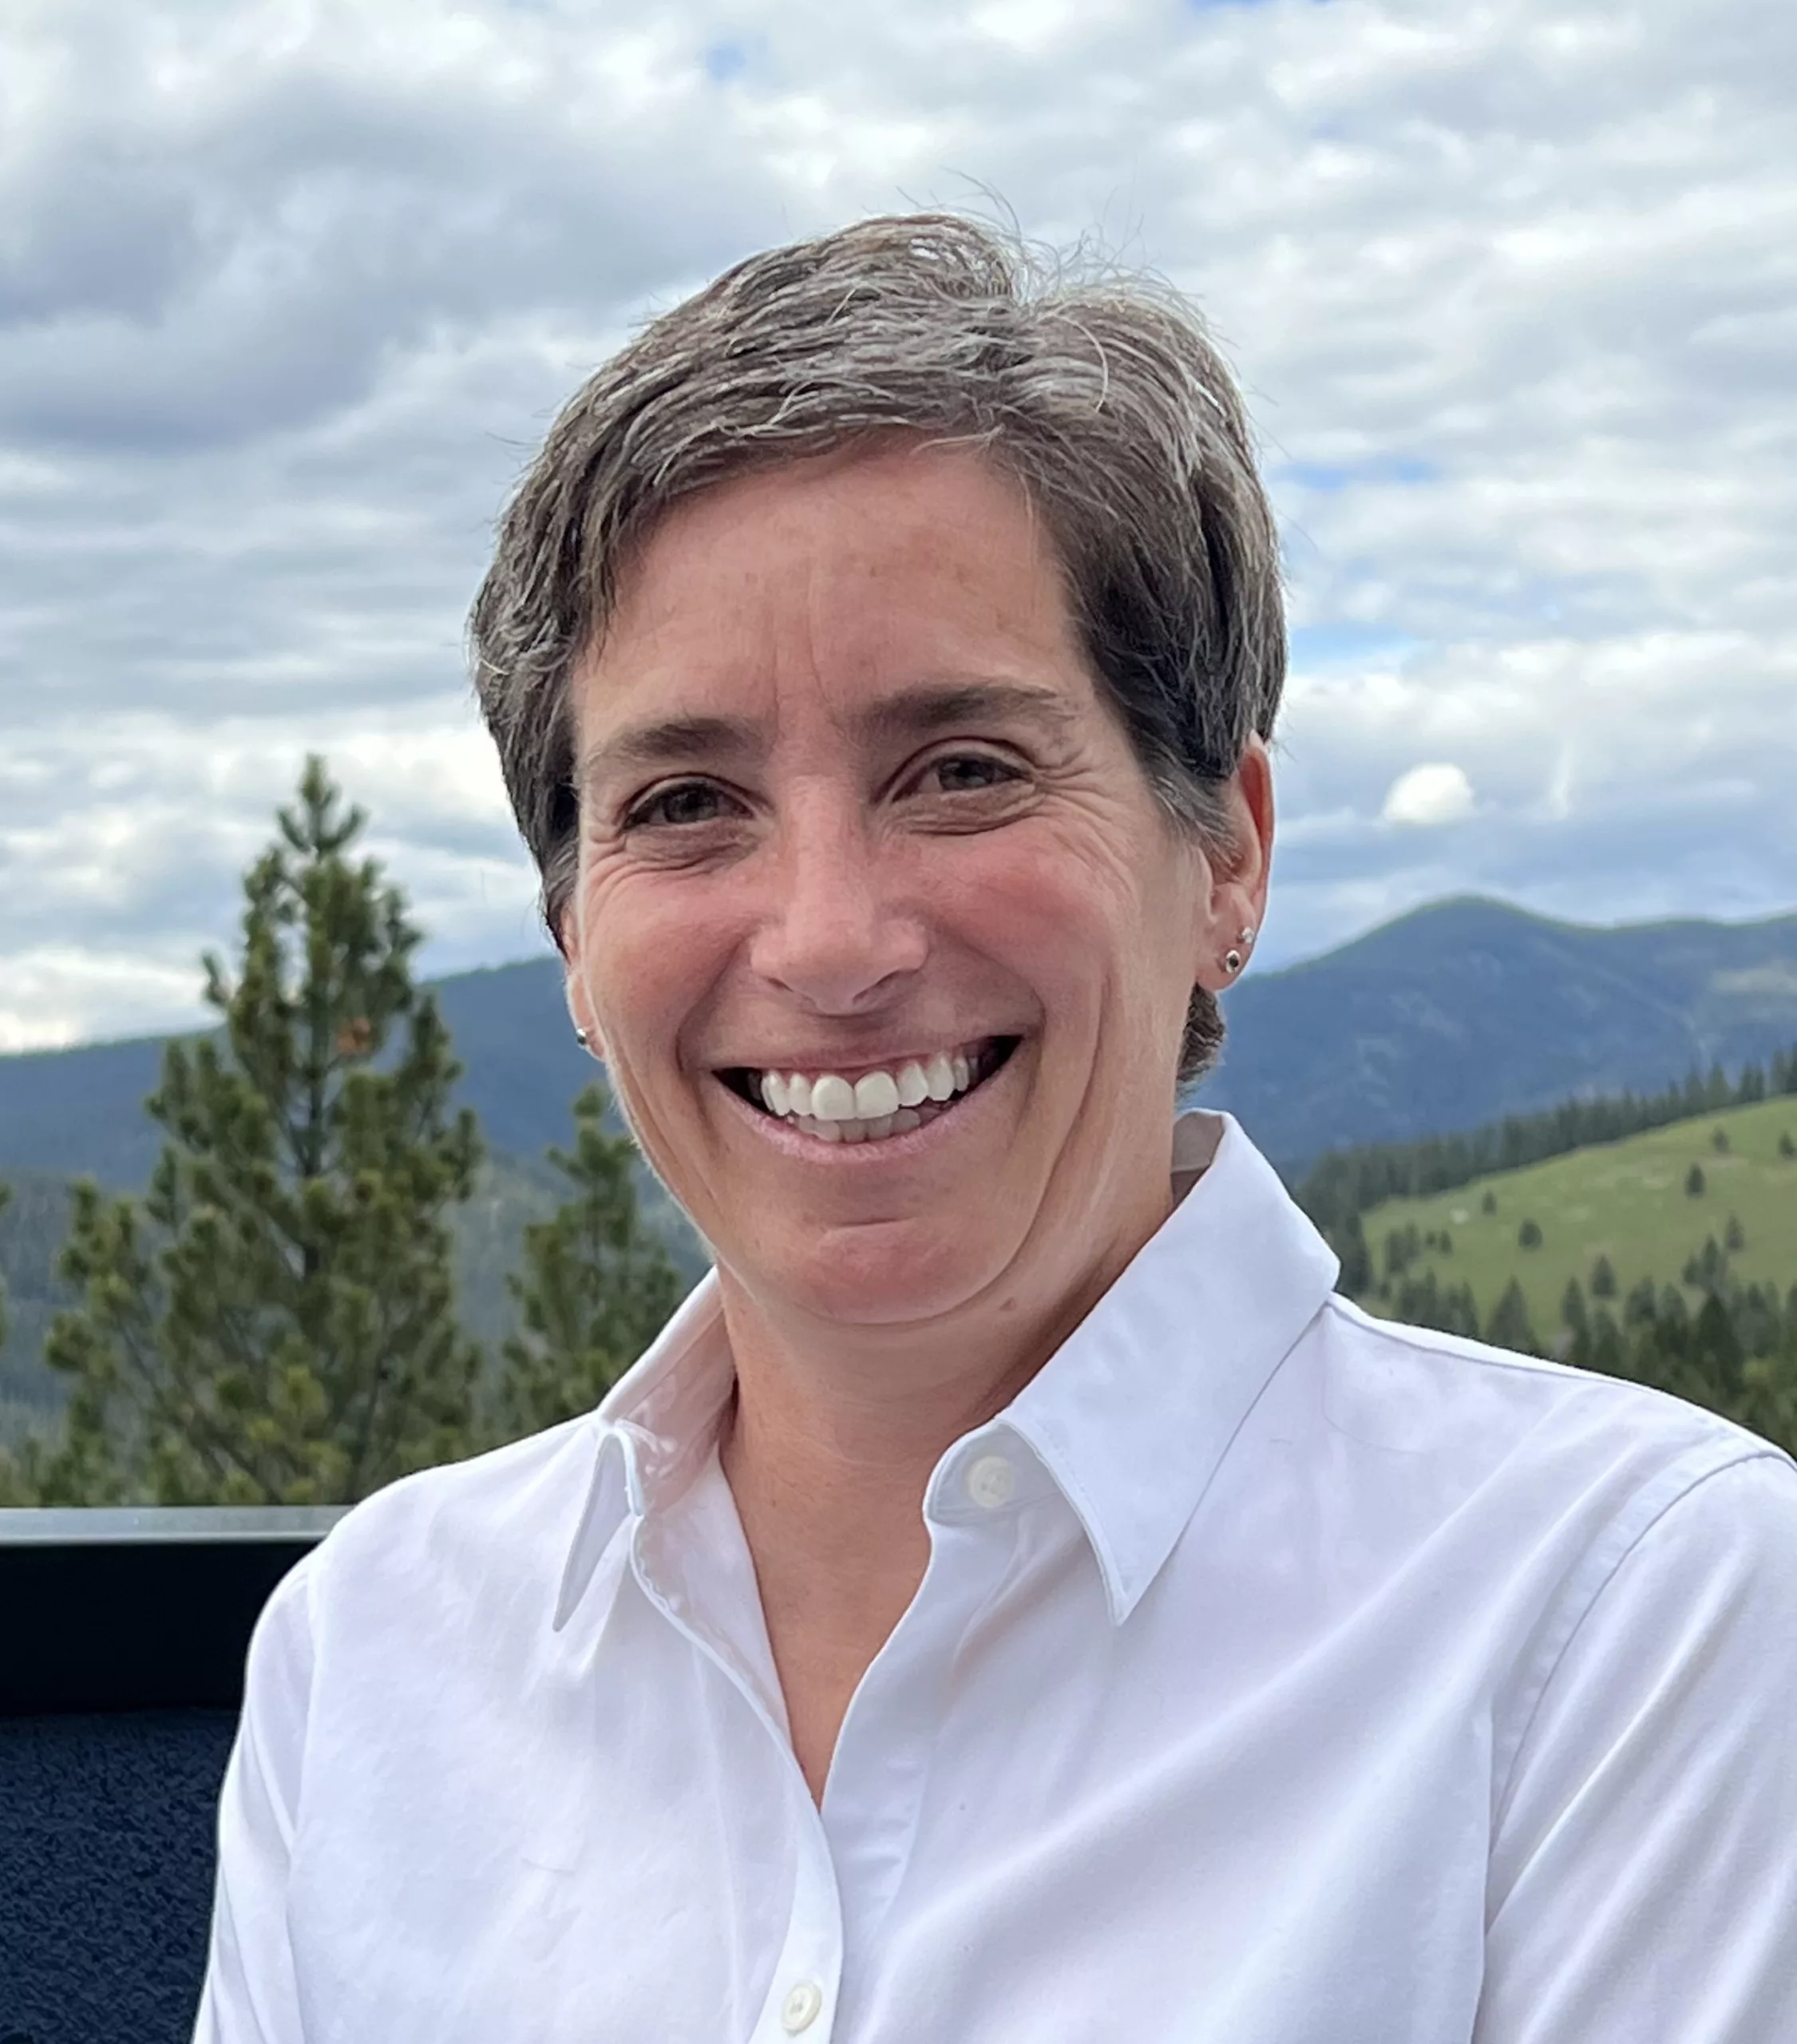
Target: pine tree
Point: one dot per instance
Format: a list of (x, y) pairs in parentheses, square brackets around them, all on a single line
[(1603, 1279), (1349, 1241), (274, 1323), (1715, 1346), (1460, 1311), (1642, 1303), (598, 1283), (1601, 1348), (1509, 1326)]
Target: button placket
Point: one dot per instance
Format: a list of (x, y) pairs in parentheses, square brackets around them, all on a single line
[(879, 1778), (809, 1964)]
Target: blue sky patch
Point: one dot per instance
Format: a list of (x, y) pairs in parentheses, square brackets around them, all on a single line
[(1408, 469), (725, 61), (1348, 644)]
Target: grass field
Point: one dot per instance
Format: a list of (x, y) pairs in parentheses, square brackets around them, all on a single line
[(1626, 1201)]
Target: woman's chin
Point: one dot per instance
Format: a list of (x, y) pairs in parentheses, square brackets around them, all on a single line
[(880, 1274)]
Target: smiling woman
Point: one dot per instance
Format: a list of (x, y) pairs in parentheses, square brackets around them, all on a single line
[(1016, 1598), (855, 809)]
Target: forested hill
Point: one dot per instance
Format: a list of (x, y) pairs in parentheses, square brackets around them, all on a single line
[(1470, 1010), (1450, 1017)]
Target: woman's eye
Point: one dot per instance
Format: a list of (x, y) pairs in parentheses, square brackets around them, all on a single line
[(687, 801), (961, 773)]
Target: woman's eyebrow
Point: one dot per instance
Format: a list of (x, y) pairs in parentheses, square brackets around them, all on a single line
[(909, 713), (669, 742), (932, 707)]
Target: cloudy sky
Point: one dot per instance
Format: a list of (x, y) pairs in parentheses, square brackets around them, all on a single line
[(289, 289)]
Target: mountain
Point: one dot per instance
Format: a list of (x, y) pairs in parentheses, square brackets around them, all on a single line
[(1471, 1009), (82, 1110), (1460, 1012)]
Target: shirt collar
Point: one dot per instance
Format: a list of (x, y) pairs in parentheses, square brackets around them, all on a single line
[(1133, 1414), (655, 1427), (1129, 1417)]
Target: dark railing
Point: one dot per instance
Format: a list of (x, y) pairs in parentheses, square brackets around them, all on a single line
[(122, 1638)]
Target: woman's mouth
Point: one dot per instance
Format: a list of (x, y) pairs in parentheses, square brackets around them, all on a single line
[(868, 1104)]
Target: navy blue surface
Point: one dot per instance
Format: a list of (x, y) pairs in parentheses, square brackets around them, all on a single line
[(106, 1852), (163, 1624)]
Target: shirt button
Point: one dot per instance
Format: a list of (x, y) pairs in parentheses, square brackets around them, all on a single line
[(991, 1481), (800, 2009)]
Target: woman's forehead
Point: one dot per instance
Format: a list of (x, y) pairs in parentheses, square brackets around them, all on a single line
[(887, 592)]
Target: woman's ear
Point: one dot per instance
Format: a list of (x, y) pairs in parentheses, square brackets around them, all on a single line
[(1231, 917), (574, 988), (580, 1009)]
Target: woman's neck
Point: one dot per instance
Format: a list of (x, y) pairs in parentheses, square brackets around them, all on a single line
[(828, 1446), (828, 1457), (857, 1416)]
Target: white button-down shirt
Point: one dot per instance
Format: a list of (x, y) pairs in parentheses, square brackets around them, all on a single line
[(1277, 1675)]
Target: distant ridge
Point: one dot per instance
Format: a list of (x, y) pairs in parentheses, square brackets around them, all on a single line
[(80, 1110), (1471, 1008), (1452, 1016)]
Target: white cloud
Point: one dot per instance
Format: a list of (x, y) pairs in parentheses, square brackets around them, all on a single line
[(289, 287), (1437, 792)]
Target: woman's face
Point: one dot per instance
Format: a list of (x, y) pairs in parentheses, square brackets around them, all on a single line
[(852, 810)]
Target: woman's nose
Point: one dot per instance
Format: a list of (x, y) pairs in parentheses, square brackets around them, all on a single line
[(836, 931)]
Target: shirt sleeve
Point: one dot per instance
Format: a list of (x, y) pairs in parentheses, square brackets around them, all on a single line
[(250, 1995), (1643, 1880)]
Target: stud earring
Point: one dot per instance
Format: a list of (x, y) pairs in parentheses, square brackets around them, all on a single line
[(1232, 958), (582, 1040)]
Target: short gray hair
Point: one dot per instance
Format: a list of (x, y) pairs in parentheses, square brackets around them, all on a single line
[(1100, 391)]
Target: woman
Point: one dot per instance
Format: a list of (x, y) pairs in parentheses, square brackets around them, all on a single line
[(1015, 1599)]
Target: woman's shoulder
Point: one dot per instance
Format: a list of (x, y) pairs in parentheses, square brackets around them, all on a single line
[(1539, 1433), (485, 1531)]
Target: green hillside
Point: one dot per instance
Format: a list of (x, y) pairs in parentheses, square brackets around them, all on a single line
[(1626, 1201)]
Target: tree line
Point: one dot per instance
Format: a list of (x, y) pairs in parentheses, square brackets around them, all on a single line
[(1730, 1347), (274, 1320), (1733, 1351), (1343, 1184)]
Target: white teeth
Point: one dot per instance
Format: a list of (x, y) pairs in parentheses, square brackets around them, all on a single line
[(877, 1094), (901, 1124), (873, 1106), (833, 1098)]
